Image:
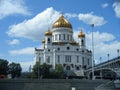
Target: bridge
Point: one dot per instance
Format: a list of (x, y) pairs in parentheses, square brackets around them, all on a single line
[(108, 69)]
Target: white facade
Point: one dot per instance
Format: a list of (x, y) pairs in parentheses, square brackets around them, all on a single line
[(61, 48)]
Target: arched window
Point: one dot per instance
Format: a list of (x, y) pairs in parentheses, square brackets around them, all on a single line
[(77, 68), (48, 40), (63, 36), (68, 48), (82, 42)]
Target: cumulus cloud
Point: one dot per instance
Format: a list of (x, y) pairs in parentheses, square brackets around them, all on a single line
[(89, 18), (14, 42), (34, 28), (104, 5), (104, 43), (10, 7), (24, 51), (69, 15), (116, 6)]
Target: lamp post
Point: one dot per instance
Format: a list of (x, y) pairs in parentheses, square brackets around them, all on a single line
[(108, 60), (92, 25), (39, 69), (118, 52), (101, 68)]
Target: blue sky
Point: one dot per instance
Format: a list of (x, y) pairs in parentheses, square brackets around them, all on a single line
[(24, 22)]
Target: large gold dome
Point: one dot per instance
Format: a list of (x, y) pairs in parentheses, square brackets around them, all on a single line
[(62, 22)]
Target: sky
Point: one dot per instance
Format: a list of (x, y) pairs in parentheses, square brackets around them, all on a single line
[(24, 22)]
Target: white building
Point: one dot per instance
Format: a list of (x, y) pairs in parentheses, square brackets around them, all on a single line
[(61, 48)]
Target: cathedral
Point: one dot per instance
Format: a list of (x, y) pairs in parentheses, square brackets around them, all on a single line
[(60, 47)]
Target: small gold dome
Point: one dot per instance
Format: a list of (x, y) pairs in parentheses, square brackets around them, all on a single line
[(62, 22), (43, 41), (48, 33), (81, 34)]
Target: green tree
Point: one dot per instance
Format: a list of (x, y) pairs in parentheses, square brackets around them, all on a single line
[(43, 70), (59, 71), (35, 70), (3, 66), (15, 69)]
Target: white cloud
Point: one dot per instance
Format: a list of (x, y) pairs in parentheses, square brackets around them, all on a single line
[(116, 7), (89, 18), (104, 43), (104, 5), (10, 7), (14, 42), (34, 28), (69, 15), (24, 51)]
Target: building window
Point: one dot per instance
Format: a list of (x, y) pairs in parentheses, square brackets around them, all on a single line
[(58, 49), (77, 59), (39, 60), (77, 49), (58, 58), (48, 59), (88, 61), (77, 68), (68, 48), (55, 37), (59, 36), (67, 58), (48, 40), (82, 60), (48, 50), (63, 36), (82, 42), (67, 37)]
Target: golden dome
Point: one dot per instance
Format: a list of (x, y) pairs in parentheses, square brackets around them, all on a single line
[(43, 41), (81, 34), (62, 22), (48, 32)]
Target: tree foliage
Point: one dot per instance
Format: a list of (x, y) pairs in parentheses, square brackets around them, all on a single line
[(45, 71), (3, 66), (15, 69), (42, 70), (59, 70)]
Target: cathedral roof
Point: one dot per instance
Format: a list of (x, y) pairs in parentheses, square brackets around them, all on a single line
[(62, 22)]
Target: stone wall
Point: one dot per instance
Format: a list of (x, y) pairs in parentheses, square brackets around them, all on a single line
[(49, 84)]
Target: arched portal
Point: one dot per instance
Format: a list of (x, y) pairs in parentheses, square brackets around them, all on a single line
[(68, 68)]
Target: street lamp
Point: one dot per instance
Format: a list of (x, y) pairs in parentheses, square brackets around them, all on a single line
[(100, 60), (108, 60), (39, 69), (118, 52), (92, 25), (101, 68)]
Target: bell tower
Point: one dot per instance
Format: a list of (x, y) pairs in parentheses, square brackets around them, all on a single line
[(48, 38), (81, 38)]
